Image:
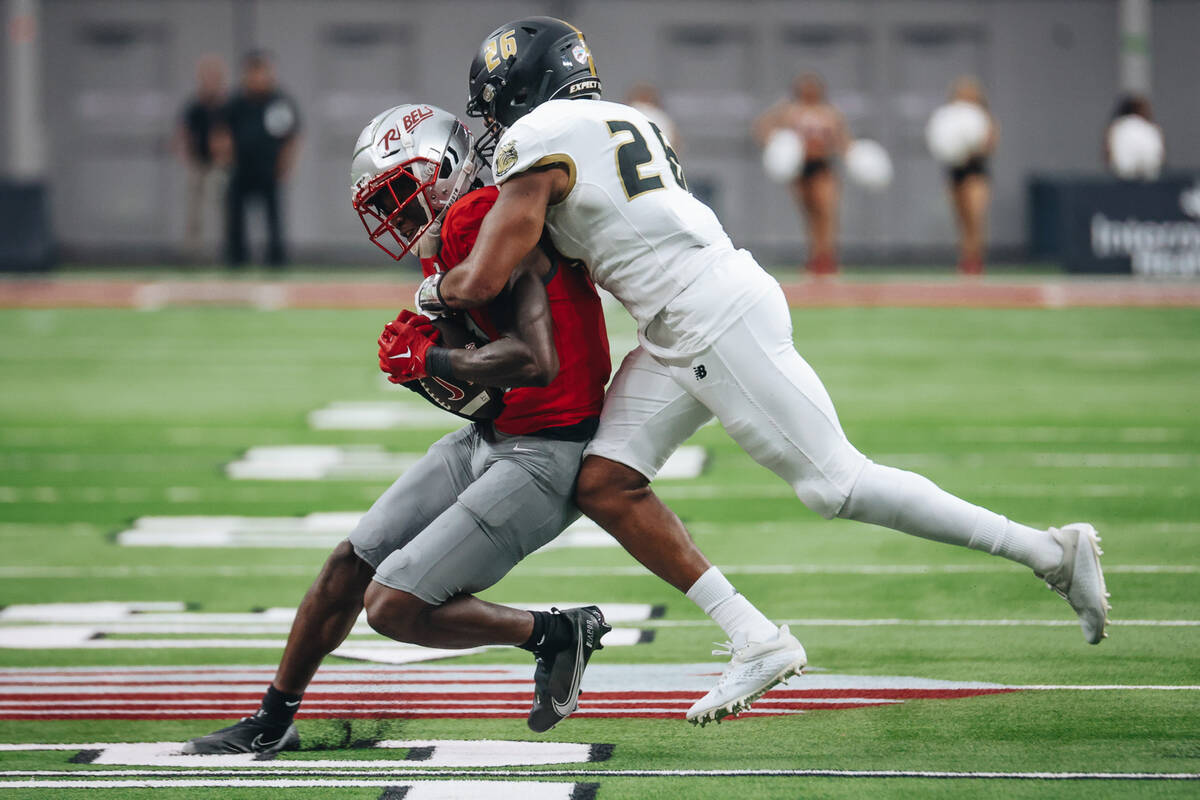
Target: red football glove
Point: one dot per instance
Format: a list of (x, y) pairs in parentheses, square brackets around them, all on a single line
[(403, 344)]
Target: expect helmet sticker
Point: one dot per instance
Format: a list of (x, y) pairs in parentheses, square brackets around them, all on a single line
[(506, 158)]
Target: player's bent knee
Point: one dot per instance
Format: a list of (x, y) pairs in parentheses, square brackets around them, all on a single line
[(603, 484), (392, 612), (823, 497)]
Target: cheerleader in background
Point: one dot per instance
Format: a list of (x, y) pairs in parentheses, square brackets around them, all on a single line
[(970, 186), (822, 130)]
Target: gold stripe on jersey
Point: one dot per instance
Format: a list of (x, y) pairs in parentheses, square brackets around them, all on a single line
[(558, 158)]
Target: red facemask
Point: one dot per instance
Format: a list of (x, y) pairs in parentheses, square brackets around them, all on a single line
[(396, 207)]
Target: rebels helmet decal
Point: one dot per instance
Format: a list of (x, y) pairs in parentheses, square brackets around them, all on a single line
[(410, 163), (416, 117)]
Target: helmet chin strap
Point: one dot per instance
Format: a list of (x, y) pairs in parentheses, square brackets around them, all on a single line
[(429, 242), (427, 246)]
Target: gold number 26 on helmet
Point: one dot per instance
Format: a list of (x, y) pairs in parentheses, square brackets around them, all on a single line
[(505, 44)]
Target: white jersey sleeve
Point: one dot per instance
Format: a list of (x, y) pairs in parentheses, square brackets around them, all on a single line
[(629, 216)]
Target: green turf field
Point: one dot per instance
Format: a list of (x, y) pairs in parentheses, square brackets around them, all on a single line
[(1046, 416)]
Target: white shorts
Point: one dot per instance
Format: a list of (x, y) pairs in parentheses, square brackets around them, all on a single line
[(765, 395), (646, 416)]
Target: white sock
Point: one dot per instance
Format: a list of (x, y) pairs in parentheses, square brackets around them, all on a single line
[(736, 615), (908, 502)]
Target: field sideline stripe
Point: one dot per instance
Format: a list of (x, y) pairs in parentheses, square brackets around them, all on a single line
[(392, 775)]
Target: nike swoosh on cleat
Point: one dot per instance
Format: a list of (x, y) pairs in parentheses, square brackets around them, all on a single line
[(563, 709), (257, 742)]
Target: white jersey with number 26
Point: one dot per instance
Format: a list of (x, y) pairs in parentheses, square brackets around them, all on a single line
[(629, 217)]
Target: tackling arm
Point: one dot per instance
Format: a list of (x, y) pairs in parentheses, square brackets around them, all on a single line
[(511, 229), (524, 355)]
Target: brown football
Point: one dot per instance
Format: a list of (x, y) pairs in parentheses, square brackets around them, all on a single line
[(461, 398)]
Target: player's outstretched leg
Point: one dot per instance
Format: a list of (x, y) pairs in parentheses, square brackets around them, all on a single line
[(790, 426), (1067, 558), (323, 621)]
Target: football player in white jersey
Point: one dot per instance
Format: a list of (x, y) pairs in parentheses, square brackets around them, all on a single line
[(715, 338)]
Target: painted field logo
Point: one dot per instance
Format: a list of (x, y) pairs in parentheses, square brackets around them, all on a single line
[(659, 691)]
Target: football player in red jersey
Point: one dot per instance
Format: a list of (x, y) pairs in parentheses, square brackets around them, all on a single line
[(483, 497)]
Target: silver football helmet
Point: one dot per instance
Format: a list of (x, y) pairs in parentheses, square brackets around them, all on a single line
[(410, 163)]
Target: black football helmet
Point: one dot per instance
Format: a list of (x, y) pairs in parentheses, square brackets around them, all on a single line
[(523, 64)]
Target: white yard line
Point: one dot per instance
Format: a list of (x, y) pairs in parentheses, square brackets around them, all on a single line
[(320, 530), (934, 623), (528, 790), (425, 790), (846, 569)]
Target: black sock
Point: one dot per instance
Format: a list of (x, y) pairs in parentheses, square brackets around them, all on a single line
[(278, 707), (551, 633)]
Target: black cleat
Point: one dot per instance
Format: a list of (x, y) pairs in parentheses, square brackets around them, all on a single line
[(556, 679), (250, 735)]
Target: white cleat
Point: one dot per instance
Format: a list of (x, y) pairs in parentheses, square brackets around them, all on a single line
[(753, 670), (1079, 579)]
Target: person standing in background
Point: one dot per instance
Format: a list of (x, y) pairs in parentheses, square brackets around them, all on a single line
[(1133, 141), (970, 186), (193, 141), (824, 134), (259, 137)]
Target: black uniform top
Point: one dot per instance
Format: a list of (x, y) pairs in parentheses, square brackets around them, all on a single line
[(260, 125), (199, 117)]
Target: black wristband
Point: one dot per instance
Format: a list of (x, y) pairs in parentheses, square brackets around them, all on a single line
[(437, 363), (437, 287)]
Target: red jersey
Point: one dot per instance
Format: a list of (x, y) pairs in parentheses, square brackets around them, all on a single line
[(581, 339)]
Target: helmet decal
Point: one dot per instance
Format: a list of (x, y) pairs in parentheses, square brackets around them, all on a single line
[(415, 118), (409, 165), (386, 148), (499, 49), (523, 64)]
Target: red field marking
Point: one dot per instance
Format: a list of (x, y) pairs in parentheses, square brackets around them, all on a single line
[(455, 705), (924, 293)]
